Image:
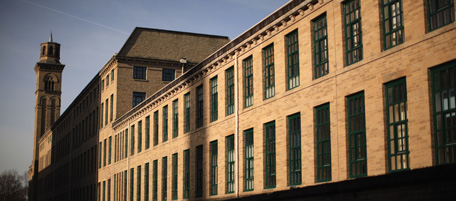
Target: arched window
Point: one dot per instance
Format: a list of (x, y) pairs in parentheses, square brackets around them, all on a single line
[(49, 84)]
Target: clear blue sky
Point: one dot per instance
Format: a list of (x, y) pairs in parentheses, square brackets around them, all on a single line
[(90, 32)]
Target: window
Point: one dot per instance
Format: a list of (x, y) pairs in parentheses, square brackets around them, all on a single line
[(320, 43), (155, 181), (248, 156), (248, 81), (270, 155), (139, 136), (102, 84), (294, 144), (444, 108), (165, 123), (104, 153), (174, 185), (107, 81), (187, 113), (138, 183), (214, 99), (109, 190), (186, 182), (155, 128), (168, 74), (269, 80), (112, 108), (229, 76), (199, 106), (292, 59), (138, 97), (323, 140), (106, 112), (396, 125), (126, 142), (132, 147), (147, 134), (214, 168), (104, 190), (101, 116), (175, 118), (164, 178), (109, 149), (356, 124), (353, 32), (112, 75), (146, 182), (199, 171), (393, 28), (440, 13), (230, 164), (132, 175), (139, 73)]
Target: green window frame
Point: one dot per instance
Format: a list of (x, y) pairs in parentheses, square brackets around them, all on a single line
[(270, 155), (323, 142), (199, 171), (112, 108), (248, 160), (126, 142), (353, 32), (174, 184), (101, 116), (165, 123), (132, 178), (112, 75), (147, 132), (187, 112), (320, 46), (109, 149), (109, 190), (356, 124), (199, 106), (392, 21), (104, 153), (139, 136), (155, 181), (146, 182), (292, 46), (107, 81), (138, 183), (132, 147), (164, 178), (269, 76), (106, 111), (248, 81), (294, 149), (104, 190), (214, 99), (230, 164), (186, 183), (156, 128), (125, 185), (444, 108), (175, 118), (440, 13), (397, 125), (214, 168), (229, 77)]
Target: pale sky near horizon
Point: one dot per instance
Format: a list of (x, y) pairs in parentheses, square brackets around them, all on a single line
[(90, 32)]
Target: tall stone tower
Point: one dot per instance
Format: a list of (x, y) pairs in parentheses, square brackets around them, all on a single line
[(47, 95)]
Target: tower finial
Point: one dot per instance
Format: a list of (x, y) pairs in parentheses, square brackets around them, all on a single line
[(50, 38)]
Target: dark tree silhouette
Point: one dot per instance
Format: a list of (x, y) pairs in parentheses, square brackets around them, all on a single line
[(13, 187)]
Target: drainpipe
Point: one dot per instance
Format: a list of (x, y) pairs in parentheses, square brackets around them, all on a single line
[(236, 110)]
